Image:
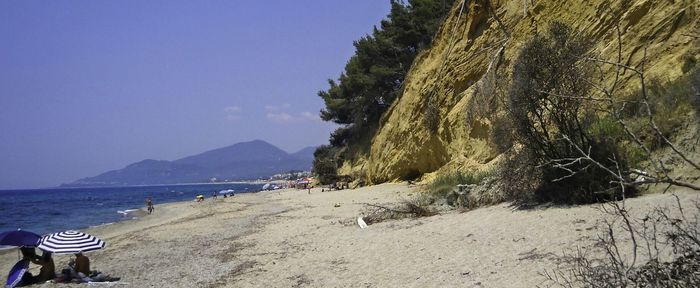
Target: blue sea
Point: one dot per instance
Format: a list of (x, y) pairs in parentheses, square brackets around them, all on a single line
[(45, 211)]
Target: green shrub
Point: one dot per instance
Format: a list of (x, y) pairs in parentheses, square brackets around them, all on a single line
[(373, 77), (500, 135), (669, 102), (325, 164), (546, 106), (444, 184), (689, 63), (610, 131)]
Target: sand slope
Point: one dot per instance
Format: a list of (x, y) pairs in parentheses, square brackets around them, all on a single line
[(294, 239)]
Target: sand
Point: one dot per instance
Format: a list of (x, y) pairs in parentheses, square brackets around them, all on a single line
[(290, 238)]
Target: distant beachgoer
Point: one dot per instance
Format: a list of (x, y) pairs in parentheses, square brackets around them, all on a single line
[(200, 198), (149, 205), (214, 195)]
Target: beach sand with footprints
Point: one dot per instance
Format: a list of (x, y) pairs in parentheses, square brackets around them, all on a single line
[(290, 238)]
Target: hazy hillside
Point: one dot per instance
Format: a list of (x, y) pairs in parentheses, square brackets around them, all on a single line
[(304, 154), (241, 161), (252, 151)]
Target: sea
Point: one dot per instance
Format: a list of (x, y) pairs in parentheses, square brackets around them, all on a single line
[(45, 211)]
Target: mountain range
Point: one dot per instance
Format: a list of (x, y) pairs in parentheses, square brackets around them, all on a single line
[(241, 161)]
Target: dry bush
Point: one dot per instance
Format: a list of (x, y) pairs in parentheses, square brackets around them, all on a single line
[(519, 177), (547, 108), (667, 239), (414, 208), (500, 135)]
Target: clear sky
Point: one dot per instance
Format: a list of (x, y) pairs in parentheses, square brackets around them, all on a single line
[(91, 86)]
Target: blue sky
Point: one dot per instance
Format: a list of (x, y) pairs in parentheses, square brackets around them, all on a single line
[(91, 86)]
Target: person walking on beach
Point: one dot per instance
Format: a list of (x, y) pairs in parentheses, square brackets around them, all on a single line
[(149, 205)]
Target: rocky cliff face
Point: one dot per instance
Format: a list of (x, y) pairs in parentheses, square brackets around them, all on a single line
[(444, 78)]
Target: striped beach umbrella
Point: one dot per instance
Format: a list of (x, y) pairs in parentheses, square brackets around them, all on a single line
[(70, 242)]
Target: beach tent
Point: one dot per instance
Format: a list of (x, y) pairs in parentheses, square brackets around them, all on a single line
[(69, 242), (303, 183)]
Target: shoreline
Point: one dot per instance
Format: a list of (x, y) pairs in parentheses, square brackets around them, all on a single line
[(251, 182), (103, 207), (290, 238)]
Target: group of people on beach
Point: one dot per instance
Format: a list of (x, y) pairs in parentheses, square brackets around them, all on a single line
[(214, 196), (78, 268)]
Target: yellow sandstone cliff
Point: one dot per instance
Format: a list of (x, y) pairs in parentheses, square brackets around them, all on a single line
[(447, 75)]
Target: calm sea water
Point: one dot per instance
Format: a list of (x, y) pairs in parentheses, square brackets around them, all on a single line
[(53, 210)]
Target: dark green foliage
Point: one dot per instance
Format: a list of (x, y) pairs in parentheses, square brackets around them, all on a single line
[(341, 136), (694, 84), (689, 62), (547, 69), (611, 132), (546, 105), (374, 76), (325, 164), (500, 134)]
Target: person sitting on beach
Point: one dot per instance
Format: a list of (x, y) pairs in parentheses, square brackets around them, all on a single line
[(28, 253), (78, 269), (82, 265), (47, 271)]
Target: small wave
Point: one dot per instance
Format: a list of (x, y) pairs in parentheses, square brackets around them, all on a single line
[(103, 224), (127, 211)]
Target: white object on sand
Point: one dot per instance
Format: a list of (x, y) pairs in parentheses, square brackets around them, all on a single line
[(361, 222)]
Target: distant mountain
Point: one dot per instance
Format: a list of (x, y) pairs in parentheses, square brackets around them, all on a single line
[(252, 151), (242, 161), (305, 154)]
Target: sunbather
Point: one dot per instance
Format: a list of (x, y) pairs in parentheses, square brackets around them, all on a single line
[(82, 264), (47, 271)]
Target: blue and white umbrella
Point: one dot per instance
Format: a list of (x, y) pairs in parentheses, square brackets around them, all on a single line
[(70, 242), (19, 238)]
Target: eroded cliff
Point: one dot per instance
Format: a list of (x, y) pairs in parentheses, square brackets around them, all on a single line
[(444, 78)]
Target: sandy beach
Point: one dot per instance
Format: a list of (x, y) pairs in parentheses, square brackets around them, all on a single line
[(290, 238)]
